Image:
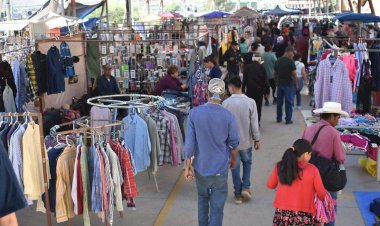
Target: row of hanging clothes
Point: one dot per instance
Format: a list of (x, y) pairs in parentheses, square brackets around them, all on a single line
[(153, 135), (345, 78), (20, 143), (89, 173)]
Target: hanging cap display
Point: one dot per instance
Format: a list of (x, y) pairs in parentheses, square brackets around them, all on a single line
[(216, 86)]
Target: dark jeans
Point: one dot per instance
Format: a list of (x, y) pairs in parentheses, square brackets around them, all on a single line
[(298, 92), (334, 195), (272, 84), (285, 93), (212, 195), (240, 183), (258, 97)]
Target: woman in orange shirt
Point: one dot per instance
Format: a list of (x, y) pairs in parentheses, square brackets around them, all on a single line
[(297, 183)]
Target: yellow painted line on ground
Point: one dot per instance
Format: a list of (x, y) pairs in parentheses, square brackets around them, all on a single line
[(169, 202)]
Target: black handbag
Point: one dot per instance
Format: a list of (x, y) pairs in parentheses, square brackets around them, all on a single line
[(333, 177)]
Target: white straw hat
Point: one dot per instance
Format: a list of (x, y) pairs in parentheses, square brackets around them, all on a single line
[(331, 108)]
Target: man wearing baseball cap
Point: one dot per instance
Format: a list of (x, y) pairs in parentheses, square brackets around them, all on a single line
[(212, 138), (232, 58)]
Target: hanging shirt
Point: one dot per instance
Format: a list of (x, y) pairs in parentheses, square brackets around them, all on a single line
[(163, 127), (333, 84), (109, 206), (97, 189), (154, 142), (55, 72), (53, 155), (40, 65), (65, 173), (86, 186), (32, 163), (9, 101), (117, 177), (129, 187), (137, 139), (15, 153)]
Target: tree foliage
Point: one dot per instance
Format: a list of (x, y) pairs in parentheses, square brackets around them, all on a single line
[(172, 7)]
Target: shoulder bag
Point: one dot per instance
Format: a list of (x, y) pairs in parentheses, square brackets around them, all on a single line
[(333, 175)]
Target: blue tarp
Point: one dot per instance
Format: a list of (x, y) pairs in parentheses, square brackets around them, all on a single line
[(216, 14), (282, 12), (361, 17)]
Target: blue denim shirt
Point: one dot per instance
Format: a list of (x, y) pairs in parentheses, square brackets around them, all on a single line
[(137, 139), (96, 194), (211, 134)]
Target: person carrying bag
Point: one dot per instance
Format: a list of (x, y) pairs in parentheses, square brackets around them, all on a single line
[(328, 154)]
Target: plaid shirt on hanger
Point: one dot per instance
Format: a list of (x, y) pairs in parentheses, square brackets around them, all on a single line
[(163, 127)]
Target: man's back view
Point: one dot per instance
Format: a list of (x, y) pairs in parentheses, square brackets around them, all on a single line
[(212, 137)]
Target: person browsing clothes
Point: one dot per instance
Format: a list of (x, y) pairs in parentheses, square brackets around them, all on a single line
[(170, 82)]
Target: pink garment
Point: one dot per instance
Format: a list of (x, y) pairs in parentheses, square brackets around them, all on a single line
[(356, 140), (328, 145), (101, 117), (351, 64)]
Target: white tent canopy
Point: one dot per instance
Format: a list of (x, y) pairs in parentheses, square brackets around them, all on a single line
[(15, 25)]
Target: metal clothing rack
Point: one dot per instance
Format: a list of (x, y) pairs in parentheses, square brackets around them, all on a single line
[(44, 157), (136, 102)]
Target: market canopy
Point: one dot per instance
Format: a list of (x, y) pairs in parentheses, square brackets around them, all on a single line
[(170, 15), (215, 14), (150, 18), (15, 25), (246, 12), (278, 11), (83, 8), (361, 17)]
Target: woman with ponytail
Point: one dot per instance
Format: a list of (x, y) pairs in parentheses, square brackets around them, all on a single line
[(297, 182)]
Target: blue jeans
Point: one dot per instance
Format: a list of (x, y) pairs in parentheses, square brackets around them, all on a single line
[(287, 93), (334, 195), (298, 92), (245, 156), (212, 195)]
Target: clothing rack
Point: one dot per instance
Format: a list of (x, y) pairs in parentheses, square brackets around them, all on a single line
[(44, 157)]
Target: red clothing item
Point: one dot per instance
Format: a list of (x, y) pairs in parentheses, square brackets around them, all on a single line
[(300, 195), (167, 82), (129, 187), (351, 64), (328, 145)]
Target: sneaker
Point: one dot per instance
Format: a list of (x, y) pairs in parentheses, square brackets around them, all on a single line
[(279, 121), (246, 194), (288, 123), (238, 200)]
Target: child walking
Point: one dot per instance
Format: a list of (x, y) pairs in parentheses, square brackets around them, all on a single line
[(297, 182)]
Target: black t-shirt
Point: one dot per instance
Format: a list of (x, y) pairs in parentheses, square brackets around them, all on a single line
[(232, 65), (284, 68)]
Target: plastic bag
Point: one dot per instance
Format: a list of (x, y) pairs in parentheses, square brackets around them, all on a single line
[(305, 91)]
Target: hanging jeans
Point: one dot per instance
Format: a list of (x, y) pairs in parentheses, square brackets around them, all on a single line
[(212, 195), (285, 93), (244, 156), (334, 195)]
